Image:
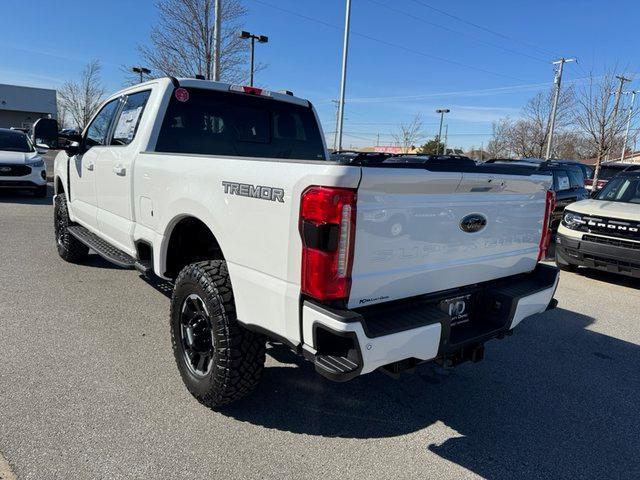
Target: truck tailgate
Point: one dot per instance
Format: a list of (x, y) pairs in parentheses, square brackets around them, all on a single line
[(410, 230)]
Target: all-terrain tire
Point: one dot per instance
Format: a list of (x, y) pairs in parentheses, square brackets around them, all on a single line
[(238, 354), (69, 247)]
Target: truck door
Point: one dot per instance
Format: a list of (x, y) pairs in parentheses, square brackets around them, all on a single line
[(114, 173), (82, 166)]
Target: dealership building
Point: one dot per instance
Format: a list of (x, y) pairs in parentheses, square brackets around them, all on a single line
[(22, 106)]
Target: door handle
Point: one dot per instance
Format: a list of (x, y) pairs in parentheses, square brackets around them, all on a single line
[(120, 170), (90, 166)]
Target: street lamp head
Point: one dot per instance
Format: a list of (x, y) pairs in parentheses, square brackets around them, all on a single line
[(244, 34), (443, 110), (263, 39), (143, 70)]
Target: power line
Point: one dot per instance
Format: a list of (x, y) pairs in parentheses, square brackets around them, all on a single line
[(389, 44), (457, 32), (512, 89), (485, 29)]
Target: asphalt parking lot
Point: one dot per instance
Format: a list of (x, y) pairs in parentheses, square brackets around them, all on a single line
[(89, 388)]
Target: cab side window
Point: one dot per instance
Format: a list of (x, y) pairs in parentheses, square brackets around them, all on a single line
[(99, 128), (128, 120)]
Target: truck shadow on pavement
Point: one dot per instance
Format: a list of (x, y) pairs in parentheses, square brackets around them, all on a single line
[(556, 400), (26, 197)]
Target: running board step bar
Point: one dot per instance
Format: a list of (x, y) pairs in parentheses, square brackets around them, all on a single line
[(101, 247), (336, 368)]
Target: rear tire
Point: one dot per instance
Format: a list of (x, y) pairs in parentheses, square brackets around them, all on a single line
[(219, 360), (69, 247)]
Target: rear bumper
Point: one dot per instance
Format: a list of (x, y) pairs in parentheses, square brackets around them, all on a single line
[(600, 253), (347, 343)]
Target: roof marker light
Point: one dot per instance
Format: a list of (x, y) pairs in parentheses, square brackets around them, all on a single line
[(250, 90)]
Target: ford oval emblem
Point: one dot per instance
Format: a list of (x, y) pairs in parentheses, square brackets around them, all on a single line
[(473, 223)]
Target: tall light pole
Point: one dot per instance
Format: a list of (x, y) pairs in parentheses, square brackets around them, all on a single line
[(343, 78), (556, 97), (261, 39), (142, 71), (216, 42), (626, 132), (446, 139), (441, 111)]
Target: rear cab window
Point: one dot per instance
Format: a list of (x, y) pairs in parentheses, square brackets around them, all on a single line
[(212, 122)]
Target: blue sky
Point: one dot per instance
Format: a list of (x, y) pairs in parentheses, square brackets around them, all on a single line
[(483, 60)]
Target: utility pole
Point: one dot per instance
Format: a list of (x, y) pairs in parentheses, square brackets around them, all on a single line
[(612, 129), (343, 79), (614, 115), (441, 111), (556, 97), (626, 132), (216, 42)]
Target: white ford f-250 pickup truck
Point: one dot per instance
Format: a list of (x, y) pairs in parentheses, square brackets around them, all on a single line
[(229, 192)]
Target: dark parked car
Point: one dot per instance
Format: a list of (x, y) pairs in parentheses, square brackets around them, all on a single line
[(568, 181), (610, 170)]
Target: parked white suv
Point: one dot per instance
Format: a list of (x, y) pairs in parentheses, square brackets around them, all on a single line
[(229, 192), (603, 233), (21, 166)]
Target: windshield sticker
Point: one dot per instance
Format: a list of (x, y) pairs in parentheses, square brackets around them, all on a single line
[(182, 94), (126, 127)]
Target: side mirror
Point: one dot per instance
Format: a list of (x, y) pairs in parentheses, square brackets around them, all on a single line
[(73, 148), (70, 137), (41, 148)]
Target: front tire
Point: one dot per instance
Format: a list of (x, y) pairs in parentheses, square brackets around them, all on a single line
[(69, 247), (219, 360)]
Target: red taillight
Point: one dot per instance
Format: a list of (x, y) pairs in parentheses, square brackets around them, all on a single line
[(327, 228), (545, 239)]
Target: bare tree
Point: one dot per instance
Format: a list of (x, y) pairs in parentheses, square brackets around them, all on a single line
[(409, 134), (595, 118), (499, 145), (182, 43), (536, 117), (528, 135), (81, 99)]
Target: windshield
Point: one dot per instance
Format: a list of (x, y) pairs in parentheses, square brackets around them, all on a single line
[(622, 189), (15, 142), (609, 172)]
